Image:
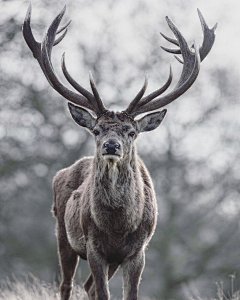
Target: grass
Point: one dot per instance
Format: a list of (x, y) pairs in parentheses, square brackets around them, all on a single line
[(31, 288), (233, 295)]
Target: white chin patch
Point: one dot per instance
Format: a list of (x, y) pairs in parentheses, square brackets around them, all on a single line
[(111, 158)]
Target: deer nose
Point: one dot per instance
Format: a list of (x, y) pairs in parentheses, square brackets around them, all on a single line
[(111, 147)]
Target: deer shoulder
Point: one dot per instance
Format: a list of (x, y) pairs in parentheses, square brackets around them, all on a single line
[(68, 180)]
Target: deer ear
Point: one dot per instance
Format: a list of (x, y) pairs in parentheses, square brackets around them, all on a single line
[(151, 121), (81, 116)]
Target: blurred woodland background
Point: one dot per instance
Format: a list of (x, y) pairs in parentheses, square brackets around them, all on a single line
[(193, 157)]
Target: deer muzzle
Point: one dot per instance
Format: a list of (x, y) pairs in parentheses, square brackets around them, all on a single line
[(111, 149)]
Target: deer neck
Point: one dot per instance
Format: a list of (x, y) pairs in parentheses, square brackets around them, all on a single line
[(117, 197), (115, 183)]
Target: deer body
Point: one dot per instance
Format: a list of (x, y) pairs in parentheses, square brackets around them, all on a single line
[(109, 210), (105, 205), (116, 215)]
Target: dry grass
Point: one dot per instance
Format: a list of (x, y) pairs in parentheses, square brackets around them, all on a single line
[(233, 295), (32, 288), (230, 295)]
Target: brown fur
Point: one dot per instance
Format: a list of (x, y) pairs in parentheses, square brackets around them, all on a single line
[(106, 211)]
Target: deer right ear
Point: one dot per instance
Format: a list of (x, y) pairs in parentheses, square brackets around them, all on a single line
[(81, 116), (151, 121)]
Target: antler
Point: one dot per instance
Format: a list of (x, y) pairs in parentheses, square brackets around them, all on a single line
[(208, 40), (191, 67), (42, 52)]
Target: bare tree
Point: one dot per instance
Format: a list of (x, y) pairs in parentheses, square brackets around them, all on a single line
[(105, 205)]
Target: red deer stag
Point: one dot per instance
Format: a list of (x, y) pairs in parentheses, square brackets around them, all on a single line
[(105, 205)]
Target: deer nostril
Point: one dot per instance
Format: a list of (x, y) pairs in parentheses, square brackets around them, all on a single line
[(111, 147), (117, 145), (105, 145)]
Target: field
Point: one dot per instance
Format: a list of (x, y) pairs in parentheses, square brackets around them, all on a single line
[(31, 288)]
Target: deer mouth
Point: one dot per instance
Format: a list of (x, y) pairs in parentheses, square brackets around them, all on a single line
[(107, 155), (111, 157)]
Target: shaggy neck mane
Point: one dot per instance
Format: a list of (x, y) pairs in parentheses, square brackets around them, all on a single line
[(115, 183)]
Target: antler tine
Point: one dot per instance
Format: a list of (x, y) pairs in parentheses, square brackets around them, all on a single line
[(64, 27), (135, 101), (49, 37), (176, 92), (28, 36), (77, 86), (34, 46), (208, 37), (100, 109), (42, 52), (61, 37), (97, 97), (158, 92), (187, 54), (179, 59), (58, 40), (52, 77), (174, 41), (208, 40), (173, 51)]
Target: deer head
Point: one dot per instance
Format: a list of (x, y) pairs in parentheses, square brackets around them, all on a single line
[(115, 132)]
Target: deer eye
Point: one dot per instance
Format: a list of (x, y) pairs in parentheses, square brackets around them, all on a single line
[(96, 132), (132, 133)]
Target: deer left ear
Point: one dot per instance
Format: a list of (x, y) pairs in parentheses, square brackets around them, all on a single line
[(151, 121), (81, 116)]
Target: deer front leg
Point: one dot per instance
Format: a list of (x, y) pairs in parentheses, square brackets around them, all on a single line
[(89, 285), (68, 262), (132, 271), (99, 269)]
